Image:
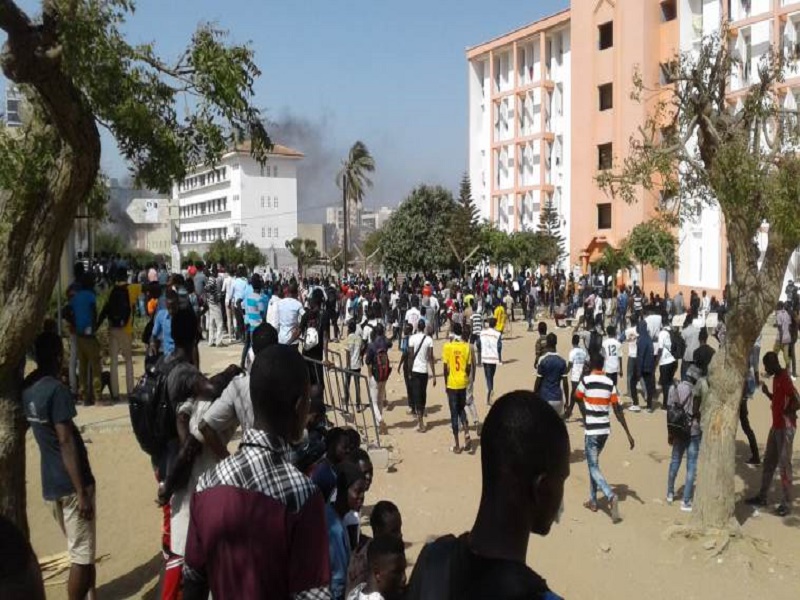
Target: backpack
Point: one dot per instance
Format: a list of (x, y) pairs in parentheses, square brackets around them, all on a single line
[(152, 414), (381, 366), (679, 421), (119, 307), (311, 336), (678, 344)]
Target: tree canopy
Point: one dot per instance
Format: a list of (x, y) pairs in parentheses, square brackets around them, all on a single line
[(652, 243), (700, 148), (305, 251), (550, 224), (232, 252)]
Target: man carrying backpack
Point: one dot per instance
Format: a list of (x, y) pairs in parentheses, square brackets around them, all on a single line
[(683, 431), (377, 361), (119, 311)]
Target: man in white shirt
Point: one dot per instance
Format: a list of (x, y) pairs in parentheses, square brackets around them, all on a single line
[(289, 313), (631, 340), (491, 344), (420, 348), (612, 351), (413, 315), (654, 325), (227, 293), (667, 364), (272, 307)]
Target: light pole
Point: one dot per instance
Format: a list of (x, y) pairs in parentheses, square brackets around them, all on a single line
[(345, 223)]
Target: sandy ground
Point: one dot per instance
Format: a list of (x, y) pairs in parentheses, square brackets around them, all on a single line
[(585, 557)]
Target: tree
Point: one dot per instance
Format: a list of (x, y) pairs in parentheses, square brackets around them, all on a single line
[(192, 257), (353, 179), (530, 249), (108, 243), (701, 151), (614, 260), (653, 243), (305, 251), (465, 226), (77, 72), (414, 237), (496, 245), (232, 252), (550, 223)]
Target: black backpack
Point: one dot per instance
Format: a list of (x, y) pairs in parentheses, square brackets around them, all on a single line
[(678, 344), (152, 414), (679, 421), (119, 306)]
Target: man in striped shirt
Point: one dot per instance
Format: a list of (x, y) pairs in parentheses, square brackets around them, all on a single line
[(599, 394)]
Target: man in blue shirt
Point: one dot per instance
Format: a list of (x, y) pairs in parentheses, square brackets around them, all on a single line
[(84, 309), (161, 340), (551, 376), (255, 309), (67, 480)]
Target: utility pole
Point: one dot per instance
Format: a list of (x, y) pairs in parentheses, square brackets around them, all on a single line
[(346, 222)]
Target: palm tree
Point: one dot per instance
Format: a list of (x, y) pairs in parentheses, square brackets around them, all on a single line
[(305, 251), (353, 179)]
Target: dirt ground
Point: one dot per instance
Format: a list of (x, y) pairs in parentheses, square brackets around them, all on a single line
[(585, 557)]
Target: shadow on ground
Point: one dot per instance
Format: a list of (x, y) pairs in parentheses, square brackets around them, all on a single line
[(130, 585)]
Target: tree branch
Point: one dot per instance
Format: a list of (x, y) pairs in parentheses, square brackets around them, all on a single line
[(13, 19)]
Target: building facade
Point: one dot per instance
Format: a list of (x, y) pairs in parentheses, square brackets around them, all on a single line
[(520, 121), (362, 223), (239, 198), (151, 229), (604, 43)]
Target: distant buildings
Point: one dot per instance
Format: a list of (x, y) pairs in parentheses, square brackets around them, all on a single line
[(362, 223), (238, 198), (150, 230)]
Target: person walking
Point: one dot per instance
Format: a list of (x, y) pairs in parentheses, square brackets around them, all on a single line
[(783, 337), (645, 366), (420, 348), (667, 364), (685, 400), (491, 344), (457, 363), (377, 361), (551, 377), (577, 361), (214, 321), (84, 308), (254, 302), (600, 396), (778, 453)]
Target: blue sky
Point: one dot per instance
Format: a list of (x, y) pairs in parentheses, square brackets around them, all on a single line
[(390, 73)]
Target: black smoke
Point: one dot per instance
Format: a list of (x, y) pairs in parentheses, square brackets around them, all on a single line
[(316, 173)]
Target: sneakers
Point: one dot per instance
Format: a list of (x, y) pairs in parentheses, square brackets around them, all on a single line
[(670, 498), (635, 408), (686, 506), (782, 510), (756, 501)]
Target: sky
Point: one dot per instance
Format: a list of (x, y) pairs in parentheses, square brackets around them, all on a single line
[(389, 73)]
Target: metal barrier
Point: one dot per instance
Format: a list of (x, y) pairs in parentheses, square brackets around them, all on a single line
[(346, 408)]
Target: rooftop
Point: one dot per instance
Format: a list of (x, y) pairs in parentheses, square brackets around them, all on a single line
[(542, 24), (277, 150)]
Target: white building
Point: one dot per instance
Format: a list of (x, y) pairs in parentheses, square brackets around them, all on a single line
[(520, 125), (362, 223), (240, 198), (151, 224)]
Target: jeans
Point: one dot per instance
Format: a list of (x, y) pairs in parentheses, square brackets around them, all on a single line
[(247, 340), (692, 449), (419, 392), (119, 342), (594, 446), (667, 375), (352, 374), (649, 384), (630, 373), (457, 399), (489, 370), (778, 455), (744, 421), (377, 393)]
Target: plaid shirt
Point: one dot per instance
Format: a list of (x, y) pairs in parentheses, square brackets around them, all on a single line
[(257, 527)]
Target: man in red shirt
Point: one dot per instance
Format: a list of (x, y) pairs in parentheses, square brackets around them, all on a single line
[(778, 453), (257, 527)]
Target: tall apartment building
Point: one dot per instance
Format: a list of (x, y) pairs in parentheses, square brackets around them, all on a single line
[(520, 120), (362, 223), (240, 198), (606, 42)]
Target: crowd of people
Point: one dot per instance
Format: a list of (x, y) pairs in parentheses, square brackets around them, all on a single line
[(304, 482)]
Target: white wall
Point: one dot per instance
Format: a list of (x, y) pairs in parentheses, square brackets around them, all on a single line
[(563, 177), (479, 124)]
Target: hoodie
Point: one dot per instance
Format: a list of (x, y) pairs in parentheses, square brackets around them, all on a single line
[(645, 355)]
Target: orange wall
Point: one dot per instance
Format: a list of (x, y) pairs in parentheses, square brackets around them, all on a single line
[(634, 47)]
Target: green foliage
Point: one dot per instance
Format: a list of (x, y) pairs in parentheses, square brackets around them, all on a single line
[(467, 202), (108, 243), (305, 251), (464, 227), (415, 237), (530, 249), (233, 252), (550, 224), (192, 257), (372, 246), (652, 243), (614, 260)]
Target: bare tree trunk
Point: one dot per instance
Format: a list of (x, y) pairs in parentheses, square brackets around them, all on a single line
[(12, 452)]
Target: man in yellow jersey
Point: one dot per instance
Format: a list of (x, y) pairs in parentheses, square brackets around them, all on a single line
[(456, 356), (500, 317)]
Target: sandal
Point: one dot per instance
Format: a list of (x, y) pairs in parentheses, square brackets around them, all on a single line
[(468, 444), (592, 506), (455, 449)]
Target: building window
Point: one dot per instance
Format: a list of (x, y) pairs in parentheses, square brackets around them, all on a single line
[(236, 198), (263, 232), (235, 167), (604, 156), (606, 31), (669, 10), (262, 201), (275, 202), (276, 232), (606, 92), (275, 172), (604, 216), (269, 171)]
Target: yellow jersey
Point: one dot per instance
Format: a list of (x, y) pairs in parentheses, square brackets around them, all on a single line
[(457, 356), (500, 317)]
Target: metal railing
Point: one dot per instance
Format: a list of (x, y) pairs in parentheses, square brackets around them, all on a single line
[(348, 398)]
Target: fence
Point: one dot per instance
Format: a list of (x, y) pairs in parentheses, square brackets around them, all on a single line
[(348, 398)]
